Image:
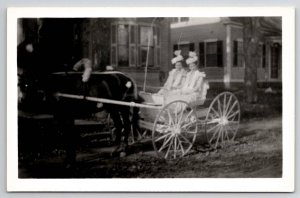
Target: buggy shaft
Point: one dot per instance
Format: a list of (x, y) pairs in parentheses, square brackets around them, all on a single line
[(104, 100)]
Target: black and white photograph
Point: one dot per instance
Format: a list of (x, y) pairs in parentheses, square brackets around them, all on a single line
[(171, 95)]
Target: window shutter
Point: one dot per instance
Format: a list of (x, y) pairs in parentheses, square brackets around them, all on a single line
[(235, 53), (201, 54), (192, 47), (175, 47), (264, 56), (220, 53)]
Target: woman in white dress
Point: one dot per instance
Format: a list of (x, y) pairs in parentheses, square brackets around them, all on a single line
[(176, 76), (193, 90)]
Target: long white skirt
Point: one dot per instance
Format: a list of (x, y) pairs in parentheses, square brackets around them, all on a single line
[(193, 99)]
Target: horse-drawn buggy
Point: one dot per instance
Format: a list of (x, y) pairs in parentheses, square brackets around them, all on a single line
[(174, 119), (174, 122)]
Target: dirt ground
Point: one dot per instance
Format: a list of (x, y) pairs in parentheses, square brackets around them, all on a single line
[(255, 153)]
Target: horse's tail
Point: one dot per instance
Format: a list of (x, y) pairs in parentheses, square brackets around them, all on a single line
[(135, 120), (136, 110), (132, 95), (135, 91)]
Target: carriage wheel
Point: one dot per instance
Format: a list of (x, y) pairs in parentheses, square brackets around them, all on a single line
[(222, 119), (174, 130)]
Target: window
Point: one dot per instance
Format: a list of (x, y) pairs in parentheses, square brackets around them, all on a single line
[(123, 45), (131, 44), (146, 43), (174, 20), (184, 19), (179, 19), (238, 54), (211, 54)]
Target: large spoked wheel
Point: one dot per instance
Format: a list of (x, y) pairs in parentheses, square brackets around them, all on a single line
[(174, 130), (222, 119)]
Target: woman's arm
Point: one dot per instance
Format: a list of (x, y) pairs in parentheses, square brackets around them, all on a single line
[(179, 81), (183, 79), (196, 88), (168, 83), (198, 84)]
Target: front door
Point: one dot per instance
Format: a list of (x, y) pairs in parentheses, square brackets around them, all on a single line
[(275, 60)]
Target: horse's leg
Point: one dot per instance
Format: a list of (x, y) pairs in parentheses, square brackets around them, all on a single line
[(115, 116), (125, 113), (135, 122)]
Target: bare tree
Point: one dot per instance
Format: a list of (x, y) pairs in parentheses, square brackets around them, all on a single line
[(254, 31), (252, 36)]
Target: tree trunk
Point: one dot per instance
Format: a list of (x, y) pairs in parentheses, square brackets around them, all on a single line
[(251, 56)]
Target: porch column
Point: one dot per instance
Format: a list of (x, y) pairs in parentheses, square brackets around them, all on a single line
[(228, 65)]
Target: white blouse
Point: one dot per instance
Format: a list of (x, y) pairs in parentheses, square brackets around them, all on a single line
[(193, 82), (176, 79)]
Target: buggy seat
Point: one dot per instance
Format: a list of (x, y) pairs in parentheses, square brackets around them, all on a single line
[(157, 99), (162, 100)]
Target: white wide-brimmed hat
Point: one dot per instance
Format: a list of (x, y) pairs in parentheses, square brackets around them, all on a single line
[(192, 58), (178, 57)]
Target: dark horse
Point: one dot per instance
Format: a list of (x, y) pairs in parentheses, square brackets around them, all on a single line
[(109, 85)]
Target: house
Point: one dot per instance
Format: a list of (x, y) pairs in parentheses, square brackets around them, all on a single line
[(219, 45), (127, 44), (131, 44), (140, 42)]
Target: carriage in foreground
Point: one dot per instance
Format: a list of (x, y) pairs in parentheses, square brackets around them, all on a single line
[(176, 123)]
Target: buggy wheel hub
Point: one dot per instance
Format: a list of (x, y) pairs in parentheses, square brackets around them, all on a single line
[(223, 121), (176, 130)]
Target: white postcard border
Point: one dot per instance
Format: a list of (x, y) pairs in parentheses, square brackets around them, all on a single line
[(284, 184)]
